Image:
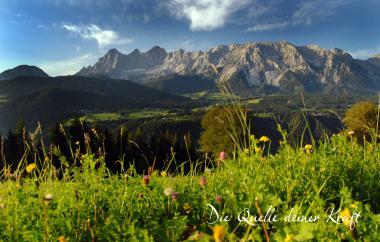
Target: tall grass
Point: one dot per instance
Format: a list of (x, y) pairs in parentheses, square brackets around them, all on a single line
[(88, 203)]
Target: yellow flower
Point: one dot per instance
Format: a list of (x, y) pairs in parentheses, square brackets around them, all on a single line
[(264, 139), (62, 239), (30, 168), (308, 149), (258, 149), (219, 233), (345, 215), (353, 206), (288, 238), (188, 208)]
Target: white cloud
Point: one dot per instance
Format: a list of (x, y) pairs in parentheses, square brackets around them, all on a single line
[(266, 27), (365, 53), (306, 13), (67, 66), (206, 14), (93, 32)]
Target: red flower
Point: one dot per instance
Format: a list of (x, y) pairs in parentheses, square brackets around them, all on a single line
[(222, 156), (203, 181), (146, 179), (175, 196), (218, 199)]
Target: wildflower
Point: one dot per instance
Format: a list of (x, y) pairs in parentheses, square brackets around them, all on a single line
[(30, 168), (353, 205), (168, 191), (258, 150), (351, 133), (48, 198), (146, 179), (264, 139), (219, 233), (308, 149), (203, 181), (222, 156), (218, 199), (345, 215), (288, 238), (188, 208), (175, 196), (62, 239), (163, 173)]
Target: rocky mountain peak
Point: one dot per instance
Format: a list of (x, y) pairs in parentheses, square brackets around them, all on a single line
[(248, 66), (157, 50)]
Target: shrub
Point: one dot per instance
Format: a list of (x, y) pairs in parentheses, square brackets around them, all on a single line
[(361, 119)]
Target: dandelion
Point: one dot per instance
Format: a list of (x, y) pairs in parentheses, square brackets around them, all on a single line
[(219, 233), (62, 239), (175, 196), (203, 181), (308, 149), (258, 150), (146, 179), (168, 191), (218, 199), (345, 215), (288, 238), (264, 139), (30, 168), (222, 155)]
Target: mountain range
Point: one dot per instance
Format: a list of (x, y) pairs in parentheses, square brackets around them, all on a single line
[(158, 78), (248, 68)]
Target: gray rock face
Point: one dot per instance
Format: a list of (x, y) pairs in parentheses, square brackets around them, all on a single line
[(247, 66)]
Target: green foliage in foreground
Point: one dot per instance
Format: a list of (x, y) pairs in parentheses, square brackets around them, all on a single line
[(88, 204)]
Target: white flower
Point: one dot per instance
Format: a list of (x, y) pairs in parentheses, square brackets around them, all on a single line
[(168, 191)]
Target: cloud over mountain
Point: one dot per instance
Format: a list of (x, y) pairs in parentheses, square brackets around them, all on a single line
[(103, 37), (206, 14)]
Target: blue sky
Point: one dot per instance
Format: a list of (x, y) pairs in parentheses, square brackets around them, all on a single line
[(61, 36)]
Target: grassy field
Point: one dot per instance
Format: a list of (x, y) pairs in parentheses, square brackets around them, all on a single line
[(335, 184)]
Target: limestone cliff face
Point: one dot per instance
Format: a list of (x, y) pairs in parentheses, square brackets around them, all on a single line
[(247, 66)]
